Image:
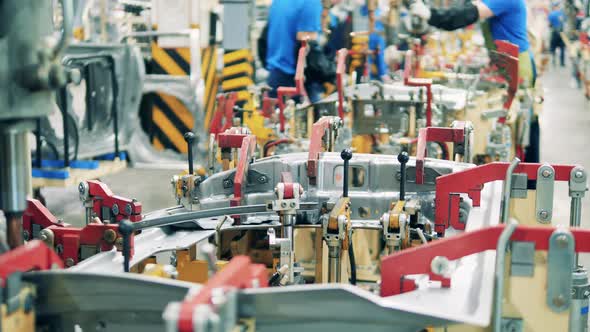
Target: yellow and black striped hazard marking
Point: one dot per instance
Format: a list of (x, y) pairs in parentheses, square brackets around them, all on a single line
[(170, 117), (171, 61), (211, 77), (238, 73)]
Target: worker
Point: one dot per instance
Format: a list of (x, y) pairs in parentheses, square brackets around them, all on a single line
[(289, 23), (503, 20), (556, 21)]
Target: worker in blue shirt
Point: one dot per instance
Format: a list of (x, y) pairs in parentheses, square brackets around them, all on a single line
[(289, 23), (505, 20), (556, 21)]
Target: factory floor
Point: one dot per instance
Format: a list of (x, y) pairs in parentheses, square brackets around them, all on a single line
[(565, 130)]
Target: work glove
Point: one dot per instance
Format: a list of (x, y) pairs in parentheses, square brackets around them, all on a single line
[(419, 9), (416, 20)]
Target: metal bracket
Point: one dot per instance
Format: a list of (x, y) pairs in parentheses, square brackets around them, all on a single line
[(519, 186), (578, 182), (544, 200), (560, 262), (522, 259), (511, 324)]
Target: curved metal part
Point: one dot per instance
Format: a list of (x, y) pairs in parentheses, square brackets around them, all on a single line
[(499, 274), (507, 190), (333, 307), (120, 302)]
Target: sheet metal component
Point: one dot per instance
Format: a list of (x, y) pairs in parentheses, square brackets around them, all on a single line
[(457, 136), (396, 267), (544, 199), (560, 264), (323, 136), (471, 181), (121, 302), (210, 306)]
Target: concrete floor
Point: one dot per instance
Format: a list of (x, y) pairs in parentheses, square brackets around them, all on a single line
[(565, 128)]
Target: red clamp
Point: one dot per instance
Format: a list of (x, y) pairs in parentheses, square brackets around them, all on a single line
[(417, 260), (340, 71), (298, 90), (316, 146), (69, 241), (103, 199), (74, 244), (505, 58), (33, 255), (37, 217), (435, 134), (471, 181), (224, 113), (239, 273), (419, 82), (233, 138)]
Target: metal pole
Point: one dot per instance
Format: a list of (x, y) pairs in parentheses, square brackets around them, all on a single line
[(507, 190), (334, 263), (499, 273), (578, 320), (13, 180)]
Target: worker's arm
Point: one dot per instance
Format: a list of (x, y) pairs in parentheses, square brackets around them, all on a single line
[(454, 17), (310, 20)]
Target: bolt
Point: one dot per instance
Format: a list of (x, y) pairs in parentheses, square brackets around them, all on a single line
[(81, 188), (559, 301), (283, 204), (69, 262), (226, 183), (128, 209), (562, 241), (115, 209), (546, 173), (578, 174), (292, 204), (439, 265), (262, 179), (109, 236), (544, 214)]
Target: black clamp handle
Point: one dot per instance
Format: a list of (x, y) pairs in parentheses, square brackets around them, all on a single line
[(403, 159), (189, 137), (346, 155), (126, 229)]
